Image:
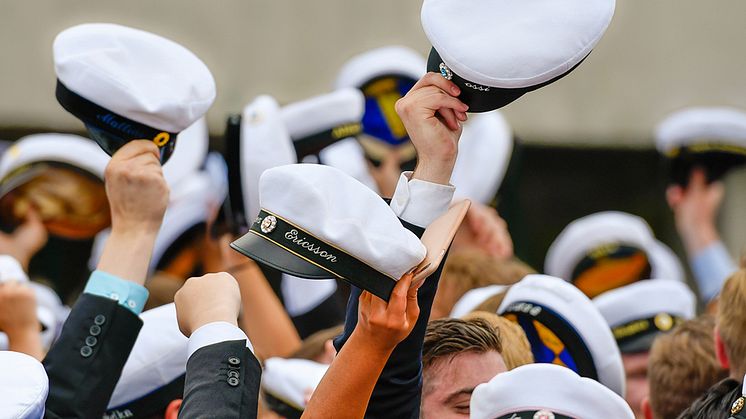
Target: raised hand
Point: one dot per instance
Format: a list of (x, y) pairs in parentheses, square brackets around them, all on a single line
[(18, 318), (432, 115), (695, 210), (486, 231), (26, 240), (136, 188), (383, 325)]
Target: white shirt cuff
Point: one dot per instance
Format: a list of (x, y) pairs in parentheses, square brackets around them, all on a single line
[(213, 333), (420, 202)]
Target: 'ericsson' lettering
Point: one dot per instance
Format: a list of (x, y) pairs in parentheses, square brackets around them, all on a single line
[(292, 235)]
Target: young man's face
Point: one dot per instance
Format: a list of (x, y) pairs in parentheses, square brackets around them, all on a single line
[(636, 370), (449, 382)]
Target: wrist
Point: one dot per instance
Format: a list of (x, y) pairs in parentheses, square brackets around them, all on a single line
[(370, 345), (435, 170), (23, 334), (697, 238), (214, 316)]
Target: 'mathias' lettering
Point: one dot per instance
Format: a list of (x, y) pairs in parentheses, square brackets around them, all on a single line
[(292, 235)]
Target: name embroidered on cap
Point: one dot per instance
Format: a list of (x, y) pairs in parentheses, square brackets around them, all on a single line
[(292, 235)]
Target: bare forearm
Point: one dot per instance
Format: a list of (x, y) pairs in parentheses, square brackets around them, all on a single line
[(345, 390), (275, 338), (27, 342), (127, 255)]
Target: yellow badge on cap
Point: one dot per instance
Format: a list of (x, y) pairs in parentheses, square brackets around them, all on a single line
[(664, 322), (162, 139)]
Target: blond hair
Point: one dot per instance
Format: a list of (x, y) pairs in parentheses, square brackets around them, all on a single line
[(682, 366), (516, 349), (731, 321), (466, 270)]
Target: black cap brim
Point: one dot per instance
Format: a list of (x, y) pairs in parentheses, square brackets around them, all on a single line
[(716, 165), (266, 252), (486, 98), (295, 251)]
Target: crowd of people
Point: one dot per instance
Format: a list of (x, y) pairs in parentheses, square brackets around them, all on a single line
[(341, 256)]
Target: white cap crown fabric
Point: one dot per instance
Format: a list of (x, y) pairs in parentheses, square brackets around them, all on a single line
[(318, 199), (484, 153), (545, 387), (514, 44), (386, 61), (141, 76), (473, 298), (292, 380), (70, 149), (589, 232), (646, 299), (24, 386), (323, 112), (575, 308), (190, 153), (158, 357), (697, 125), (265, 143)]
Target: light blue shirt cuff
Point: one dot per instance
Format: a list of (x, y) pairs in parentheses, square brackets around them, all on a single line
[(130, 295), (711, 267)]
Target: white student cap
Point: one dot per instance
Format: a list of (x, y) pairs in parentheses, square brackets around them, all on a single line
[(317, 222), (565, 328), (639, 312), (127, 84), (495, 51), (545, 391)]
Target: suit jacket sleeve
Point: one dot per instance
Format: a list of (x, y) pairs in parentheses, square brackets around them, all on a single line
[(84, 365), (222, 381), (398, 390)]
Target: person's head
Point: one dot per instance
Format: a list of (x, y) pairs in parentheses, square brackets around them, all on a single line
[(457, 356), (681, 367), (516, 349), (637, 314), (468, 270), (731, 325)]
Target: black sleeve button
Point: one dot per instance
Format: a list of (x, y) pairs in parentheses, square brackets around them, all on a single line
[(86, 351), (233, 374), (99, 320), (233, 381), (91, 341), (234, 361), (95, 330)]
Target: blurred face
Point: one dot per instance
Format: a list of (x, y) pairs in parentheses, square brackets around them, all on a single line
[(449, 382), (636, 370)]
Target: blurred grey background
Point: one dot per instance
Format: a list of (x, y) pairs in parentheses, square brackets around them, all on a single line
[(658, 56)]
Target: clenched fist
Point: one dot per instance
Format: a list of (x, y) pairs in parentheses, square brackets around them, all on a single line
[(207, 299)]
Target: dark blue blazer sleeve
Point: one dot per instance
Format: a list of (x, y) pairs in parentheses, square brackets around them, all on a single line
[(86, 362), (398, 390), (222, 381)]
